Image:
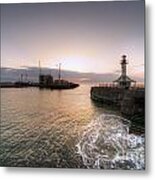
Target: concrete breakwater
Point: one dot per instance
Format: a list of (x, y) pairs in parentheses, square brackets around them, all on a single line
[(130, 102)]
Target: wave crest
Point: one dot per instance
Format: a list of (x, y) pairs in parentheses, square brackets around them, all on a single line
[(106, 143)]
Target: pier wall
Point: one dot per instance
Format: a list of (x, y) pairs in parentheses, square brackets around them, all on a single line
[(129, 101)]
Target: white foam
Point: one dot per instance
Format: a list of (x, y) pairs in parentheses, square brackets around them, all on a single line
[(106, 143)]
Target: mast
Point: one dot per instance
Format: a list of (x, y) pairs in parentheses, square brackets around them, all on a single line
[(21, 78), (59, 75), (26, 77), (39, 68)]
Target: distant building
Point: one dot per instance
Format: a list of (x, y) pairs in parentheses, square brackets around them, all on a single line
[(124, 81), (45, 80)]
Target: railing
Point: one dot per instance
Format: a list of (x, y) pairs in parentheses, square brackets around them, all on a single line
[(114, 85), (106, 84)]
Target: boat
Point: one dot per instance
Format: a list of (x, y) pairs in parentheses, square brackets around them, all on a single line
[(64, 85), (46, 81)]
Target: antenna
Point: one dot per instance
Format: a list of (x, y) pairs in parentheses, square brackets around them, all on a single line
[(59, 76)]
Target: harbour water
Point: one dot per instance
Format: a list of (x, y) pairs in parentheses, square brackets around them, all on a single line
[(65, 129)]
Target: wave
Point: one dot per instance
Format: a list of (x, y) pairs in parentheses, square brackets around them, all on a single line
[(107, 144)]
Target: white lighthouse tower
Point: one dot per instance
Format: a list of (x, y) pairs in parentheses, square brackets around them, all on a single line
[(124, 81)]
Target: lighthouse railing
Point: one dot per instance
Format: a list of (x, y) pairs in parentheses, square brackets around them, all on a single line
[(138, 85)]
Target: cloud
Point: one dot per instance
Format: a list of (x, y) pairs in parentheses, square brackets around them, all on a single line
[(9, 74)]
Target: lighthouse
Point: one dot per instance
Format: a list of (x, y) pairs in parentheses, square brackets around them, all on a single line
[(123, 65), (124, 81)]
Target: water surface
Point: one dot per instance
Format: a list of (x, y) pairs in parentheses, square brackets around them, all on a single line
[(44, 128)]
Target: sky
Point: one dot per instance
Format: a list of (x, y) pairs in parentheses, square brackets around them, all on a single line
[(84, 37)]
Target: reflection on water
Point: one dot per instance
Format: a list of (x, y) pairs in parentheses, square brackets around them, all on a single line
[(43, 127)]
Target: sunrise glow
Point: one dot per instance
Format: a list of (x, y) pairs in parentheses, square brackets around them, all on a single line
[(83, 37)]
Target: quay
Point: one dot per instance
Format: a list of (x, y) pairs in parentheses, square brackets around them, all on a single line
[(42, 84), (129, 101), (18, 84)]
